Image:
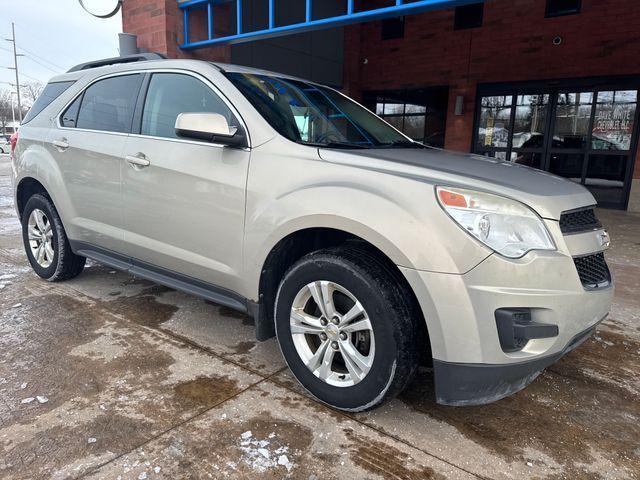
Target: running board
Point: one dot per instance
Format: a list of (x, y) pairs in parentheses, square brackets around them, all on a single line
[(165, 277)]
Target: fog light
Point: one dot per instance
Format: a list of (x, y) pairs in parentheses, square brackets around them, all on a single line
[(516, 328)]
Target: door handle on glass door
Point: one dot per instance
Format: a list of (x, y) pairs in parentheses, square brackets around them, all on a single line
[(138, 160)]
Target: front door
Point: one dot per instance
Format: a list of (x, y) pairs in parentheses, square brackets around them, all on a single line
[(184, 209)]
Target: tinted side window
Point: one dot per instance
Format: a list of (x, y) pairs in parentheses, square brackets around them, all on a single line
[(171, 94), (70, 115), (109, 104), (48, 95)]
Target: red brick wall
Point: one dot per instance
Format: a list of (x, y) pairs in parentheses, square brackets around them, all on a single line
[(159, 26), (514, 44)]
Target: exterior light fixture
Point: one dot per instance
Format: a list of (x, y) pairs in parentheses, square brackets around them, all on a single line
[(459, 108)]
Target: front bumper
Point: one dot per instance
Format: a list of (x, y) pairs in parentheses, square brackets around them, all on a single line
[(464, 384), (470, 365)]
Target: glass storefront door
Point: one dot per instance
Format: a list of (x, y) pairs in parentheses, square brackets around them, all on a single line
[(587, 135)]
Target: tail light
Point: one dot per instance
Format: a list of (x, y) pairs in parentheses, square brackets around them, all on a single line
[(13, 140)]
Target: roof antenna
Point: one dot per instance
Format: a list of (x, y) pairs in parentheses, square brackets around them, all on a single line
[(101, 14)]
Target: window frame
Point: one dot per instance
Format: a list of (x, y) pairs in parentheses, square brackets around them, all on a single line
[(548, 14), (82, 92), (139, 104)]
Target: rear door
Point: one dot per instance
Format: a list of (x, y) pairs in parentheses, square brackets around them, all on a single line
[(184, 207), (88, 146)]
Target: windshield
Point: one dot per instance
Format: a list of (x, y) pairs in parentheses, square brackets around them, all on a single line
[(315, 115)]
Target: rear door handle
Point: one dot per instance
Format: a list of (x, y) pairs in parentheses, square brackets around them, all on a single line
[(61, 144), (138, 160)]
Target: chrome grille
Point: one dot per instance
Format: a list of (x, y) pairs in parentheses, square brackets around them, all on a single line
[(593, 271)]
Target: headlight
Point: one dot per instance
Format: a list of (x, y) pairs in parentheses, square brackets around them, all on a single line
[(504, 225)]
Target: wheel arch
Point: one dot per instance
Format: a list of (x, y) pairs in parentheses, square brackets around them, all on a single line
[(299, 243), (26, 188)]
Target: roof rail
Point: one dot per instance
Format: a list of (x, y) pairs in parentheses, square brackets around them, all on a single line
[(138, 57)]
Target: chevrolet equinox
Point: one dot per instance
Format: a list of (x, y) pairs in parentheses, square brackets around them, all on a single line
[(366, 253)]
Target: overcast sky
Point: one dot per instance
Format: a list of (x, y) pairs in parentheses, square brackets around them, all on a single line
[(54, 35)]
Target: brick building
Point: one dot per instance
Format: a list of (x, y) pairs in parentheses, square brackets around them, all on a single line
[(548, 83)]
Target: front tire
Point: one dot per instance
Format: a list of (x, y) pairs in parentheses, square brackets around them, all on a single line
[(46, 242), (346, 329)]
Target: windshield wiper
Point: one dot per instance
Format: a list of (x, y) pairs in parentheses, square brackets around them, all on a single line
[(401, 144), (336, 145)]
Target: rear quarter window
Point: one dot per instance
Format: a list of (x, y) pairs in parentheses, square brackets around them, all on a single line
[(52, 91)]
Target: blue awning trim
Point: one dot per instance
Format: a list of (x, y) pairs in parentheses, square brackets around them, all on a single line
[(399, 9)]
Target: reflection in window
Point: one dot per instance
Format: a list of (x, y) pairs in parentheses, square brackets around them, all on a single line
[(605, 177), (162, 106), (495, 118), (573, 115), (530, 159), (567, 165), (614, 120), (108, 104), (409, 118), (530, 121)]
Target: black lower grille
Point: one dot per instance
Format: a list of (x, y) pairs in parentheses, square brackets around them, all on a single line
[(581, 220), (593, 271)]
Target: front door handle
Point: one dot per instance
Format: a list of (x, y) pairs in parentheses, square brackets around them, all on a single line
[(138, 160), (61, 144)]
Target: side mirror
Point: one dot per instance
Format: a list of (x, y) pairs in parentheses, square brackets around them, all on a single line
[(211, 127)]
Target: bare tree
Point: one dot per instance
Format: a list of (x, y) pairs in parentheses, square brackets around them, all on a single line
[(6, 114), (31, 91)]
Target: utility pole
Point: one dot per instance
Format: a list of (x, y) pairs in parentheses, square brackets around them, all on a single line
[(15, 67)]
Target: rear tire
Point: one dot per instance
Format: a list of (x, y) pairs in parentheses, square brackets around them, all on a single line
[(46, 242), (321, 355)]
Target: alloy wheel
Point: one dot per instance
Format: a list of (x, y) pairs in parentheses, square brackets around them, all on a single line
[(332, 333), (40, 236)]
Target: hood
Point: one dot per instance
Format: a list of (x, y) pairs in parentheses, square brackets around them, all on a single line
[(549, 195)]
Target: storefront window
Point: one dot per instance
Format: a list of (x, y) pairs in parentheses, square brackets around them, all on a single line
[(605, 177), (495, 121), (614, 120), (530, 122), (585, 135), (407, 117), (572, 119)]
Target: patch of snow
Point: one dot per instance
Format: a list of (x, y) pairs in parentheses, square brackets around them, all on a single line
[(259, 457), (27, 400), (42, 399), (92, 440), (23, 386), (157, 469), (142, 476), (284, 461)]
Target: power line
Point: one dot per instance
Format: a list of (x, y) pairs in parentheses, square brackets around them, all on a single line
[(41, 64), (48, 43), (32, 78), (40, 58)]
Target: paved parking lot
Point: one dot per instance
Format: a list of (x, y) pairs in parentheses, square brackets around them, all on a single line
[(109, 376)]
